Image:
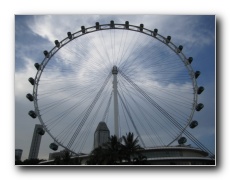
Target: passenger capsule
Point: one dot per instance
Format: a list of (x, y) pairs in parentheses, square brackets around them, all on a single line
[(46, 54), (40, 131), (193, 124), (199, 107), (141, 27), (69, 35), (190, 59), (97, 26), (31, 80), (83, 29), (179, 49), (57, 43), (182, 140), (168, 39), (32, 114), (30, 97), (155, 31), (112, 24), (197, 73), (37, 66), (200, 90), (126, 24), (53, 146)]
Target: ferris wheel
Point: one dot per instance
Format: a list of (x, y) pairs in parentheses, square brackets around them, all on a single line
[(128, 76)]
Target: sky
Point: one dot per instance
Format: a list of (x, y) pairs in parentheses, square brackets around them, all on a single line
[(36, 33), (11, 8)]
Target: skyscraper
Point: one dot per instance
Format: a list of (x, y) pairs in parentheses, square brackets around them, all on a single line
[(101, 134), (35, 144), (18, 154)]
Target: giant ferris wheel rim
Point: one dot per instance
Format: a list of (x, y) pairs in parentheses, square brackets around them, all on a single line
[(103, 27)]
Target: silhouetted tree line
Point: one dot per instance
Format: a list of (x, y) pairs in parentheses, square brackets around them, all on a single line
[(29, 161), (114, 152), (63, 159)]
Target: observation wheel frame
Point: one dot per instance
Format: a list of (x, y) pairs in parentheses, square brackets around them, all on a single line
[(101, 27)]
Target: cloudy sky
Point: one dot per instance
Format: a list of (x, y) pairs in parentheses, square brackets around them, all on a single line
[(34, 34), (11, 8)]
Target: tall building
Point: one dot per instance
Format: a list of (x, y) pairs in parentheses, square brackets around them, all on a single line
[(35, 144), (18, 154), (101, 134)]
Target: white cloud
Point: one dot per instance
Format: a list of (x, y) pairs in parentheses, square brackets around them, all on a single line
[(88, 68), (187, 30), (22, 84)]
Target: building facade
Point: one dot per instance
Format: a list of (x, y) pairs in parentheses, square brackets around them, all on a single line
[(164, 156), (177, 155), (35, 144), (101, 134), (18, 154)]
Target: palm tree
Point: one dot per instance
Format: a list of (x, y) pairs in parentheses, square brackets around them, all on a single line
[(113, 150), (130, 146), (109, 153), (98, 156)]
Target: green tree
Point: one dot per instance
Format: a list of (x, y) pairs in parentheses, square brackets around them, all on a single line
[(57, 160), (66, 157), (113, 150), (97, 156), (107, 154), (130, 147)]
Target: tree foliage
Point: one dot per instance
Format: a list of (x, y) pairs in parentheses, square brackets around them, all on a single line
[(123, 151), (29, 162), (114, 152)]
